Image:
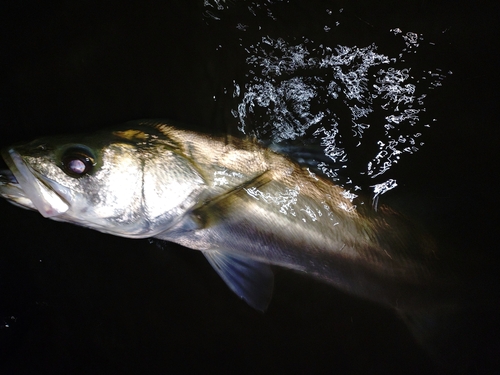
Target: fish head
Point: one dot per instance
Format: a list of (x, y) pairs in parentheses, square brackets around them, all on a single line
[(128, 181)]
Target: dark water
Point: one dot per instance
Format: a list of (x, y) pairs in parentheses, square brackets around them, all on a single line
[(80, 302)]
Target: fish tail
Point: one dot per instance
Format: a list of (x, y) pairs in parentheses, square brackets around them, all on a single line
[(448, 334)]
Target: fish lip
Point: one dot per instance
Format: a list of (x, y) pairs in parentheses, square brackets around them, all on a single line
[(45, 199), (12, 191)]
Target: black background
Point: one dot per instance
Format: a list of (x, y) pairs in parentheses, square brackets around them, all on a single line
[(78, 301)]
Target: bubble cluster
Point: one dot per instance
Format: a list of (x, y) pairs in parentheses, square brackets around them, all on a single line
[(294, 88), (355, 103)]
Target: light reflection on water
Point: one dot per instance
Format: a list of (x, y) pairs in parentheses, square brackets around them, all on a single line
[(346, 99)]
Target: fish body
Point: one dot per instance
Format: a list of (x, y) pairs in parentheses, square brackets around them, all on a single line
[(243, 205)]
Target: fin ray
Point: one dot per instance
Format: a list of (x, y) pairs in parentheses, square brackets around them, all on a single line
[(249, 279)]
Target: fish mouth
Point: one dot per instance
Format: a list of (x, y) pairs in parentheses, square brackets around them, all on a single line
[(23, 186)]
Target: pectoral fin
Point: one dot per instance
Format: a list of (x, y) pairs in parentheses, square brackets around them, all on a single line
[(251, 280)]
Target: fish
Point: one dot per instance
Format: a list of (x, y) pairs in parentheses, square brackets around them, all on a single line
[(245, 206)]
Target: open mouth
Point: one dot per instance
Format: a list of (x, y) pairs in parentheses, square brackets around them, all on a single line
[(21, 186), (12, 191), (7, 177)]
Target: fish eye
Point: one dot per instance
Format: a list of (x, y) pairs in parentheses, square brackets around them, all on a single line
[(77, 162)]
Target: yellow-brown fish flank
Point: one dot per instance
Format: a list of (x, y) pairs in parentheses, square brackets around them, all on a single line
[(163, 128), (150, 137), (132, 135)]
